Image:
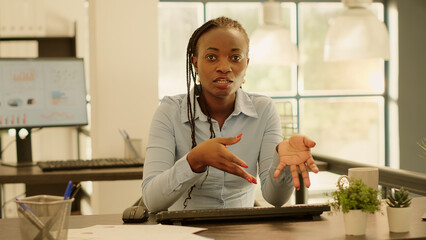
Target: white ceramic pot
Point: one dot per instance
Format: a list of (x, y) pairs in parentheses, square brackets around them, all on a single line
[(355, 222), (399, 219)]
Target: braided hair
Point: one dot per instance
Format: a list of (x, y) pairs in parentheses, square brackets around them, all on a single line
[(191, 76)]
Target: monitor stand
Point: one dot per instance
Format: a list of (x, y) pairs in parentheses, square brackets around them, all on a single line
[(23, 151)]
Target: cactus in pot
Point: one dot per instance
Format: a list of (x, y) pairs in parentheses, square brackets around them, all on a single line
[(399, 210)]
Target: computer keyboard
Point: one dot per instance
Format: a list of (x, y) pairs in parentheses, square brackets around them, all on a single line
[(96, 163), (305, 211)]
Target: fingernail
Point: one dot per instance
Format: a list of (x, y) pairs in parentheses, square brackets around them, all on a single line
[(239, 135), (276, 174), (248, 179), (255, 181), (244, 165)]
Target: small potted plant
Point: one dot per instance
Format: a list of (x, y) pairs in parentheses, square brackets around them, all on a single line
[(399, 210), (355, 201)]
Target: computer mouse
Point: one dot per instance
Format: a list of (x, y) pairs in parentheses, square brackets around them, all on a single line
[(135, 214)]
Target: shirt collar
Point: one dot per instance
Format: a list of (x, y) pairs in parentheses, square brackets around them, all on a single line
[(243, 105)]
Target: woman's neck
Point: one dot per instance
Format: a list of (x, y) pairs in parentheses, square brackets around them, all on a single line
[(218, 108)]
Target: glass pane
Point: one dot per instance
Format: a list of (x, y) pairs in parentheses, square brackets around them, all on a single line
[(288, 115), (268, 80), (319, 77), (248, 14), (173, 41), (271, 80), (346, 128)]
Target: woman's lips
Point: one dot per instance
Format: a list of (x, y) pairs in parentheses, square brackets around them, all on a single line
[(222, 82)]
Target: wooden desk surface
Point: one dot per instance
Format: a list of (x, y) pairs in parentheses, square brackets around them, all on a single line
[(329, 227), (34, 175)]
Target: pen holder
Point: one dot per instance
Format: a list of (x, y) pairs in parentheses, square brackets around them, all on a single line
[(44, 217)]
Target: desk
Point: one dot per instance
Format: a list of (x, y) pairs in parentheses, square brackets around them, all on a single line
[(34, 175), (329, 227)]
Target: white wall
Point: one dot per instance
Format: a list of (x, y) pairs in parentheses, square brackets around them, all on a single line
[(124, 73)]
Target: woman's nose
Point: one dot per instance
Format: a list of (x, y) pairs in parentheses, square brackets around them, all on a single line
[(224, 66)]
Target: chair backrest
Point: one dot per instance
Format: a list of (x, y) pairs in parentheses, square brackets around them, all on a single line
[(288, 118)]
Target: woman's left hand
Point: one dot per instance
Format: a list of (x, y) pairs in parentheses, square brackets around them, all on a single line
[(296, 153)]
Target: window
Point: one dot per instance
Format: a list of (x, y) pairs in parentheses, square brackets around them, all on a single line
[(173, 42), (341, 105)]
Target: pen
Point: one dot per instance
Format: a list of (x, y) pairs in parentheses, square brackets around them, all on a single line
[(75, 190), (29, 213), (125, 133), (122, 134), (129, 143), (68, 191)]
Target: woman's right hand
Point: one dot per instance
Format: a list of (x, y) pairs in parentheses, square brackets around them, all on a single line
[(213, 152)]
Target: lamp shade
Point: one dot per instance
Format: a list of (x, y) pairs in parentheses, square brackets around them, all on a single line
[(270, 44), (356, 34)]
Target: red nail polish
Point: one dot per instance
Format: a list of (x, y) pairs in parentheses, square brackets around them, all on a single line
[(239, 135), (244, 165), (248, 179)]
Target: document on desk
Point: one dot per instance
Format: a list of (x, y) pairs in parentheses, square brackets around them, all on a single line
[(135, 232)]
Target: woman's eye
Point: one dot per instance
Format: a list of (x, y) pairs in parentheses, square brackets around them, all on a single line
[(236, 58), (211, 57)]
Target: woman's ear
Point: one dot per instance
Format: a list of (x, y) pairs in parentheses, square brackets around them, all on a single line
[(194, 61)]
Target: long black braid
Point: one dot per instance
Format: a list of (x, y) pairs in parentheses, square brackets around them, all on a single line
[(191, 78)]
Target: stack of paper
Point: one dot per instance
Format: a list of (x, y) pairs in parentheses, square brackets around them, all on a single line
[(136, 232)]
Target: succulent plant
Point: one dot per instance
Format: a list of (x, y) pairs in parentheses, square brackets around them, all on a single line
[(399, 199)]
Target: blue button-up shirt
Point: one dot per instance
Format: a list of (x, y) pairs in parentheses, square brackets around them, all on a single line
[(167, 176)]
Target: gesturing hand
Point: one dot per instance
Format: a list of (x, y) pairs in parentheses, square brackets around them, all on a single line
[(295, 152), (213, 152)]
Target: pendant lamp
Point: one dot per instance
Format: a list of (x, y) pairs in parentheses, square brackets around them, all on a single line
[(270, 44), (356, 34)]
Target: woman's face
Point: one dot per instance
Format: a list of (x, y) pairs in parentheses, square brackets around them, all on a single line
[(221, 62)]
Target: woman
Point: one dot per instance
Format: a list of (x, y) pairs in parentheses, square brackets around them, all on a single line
[(206, 147)]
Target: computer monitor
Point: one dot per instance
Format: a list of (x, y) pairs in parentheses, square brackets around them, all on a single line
[(41, 92)]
